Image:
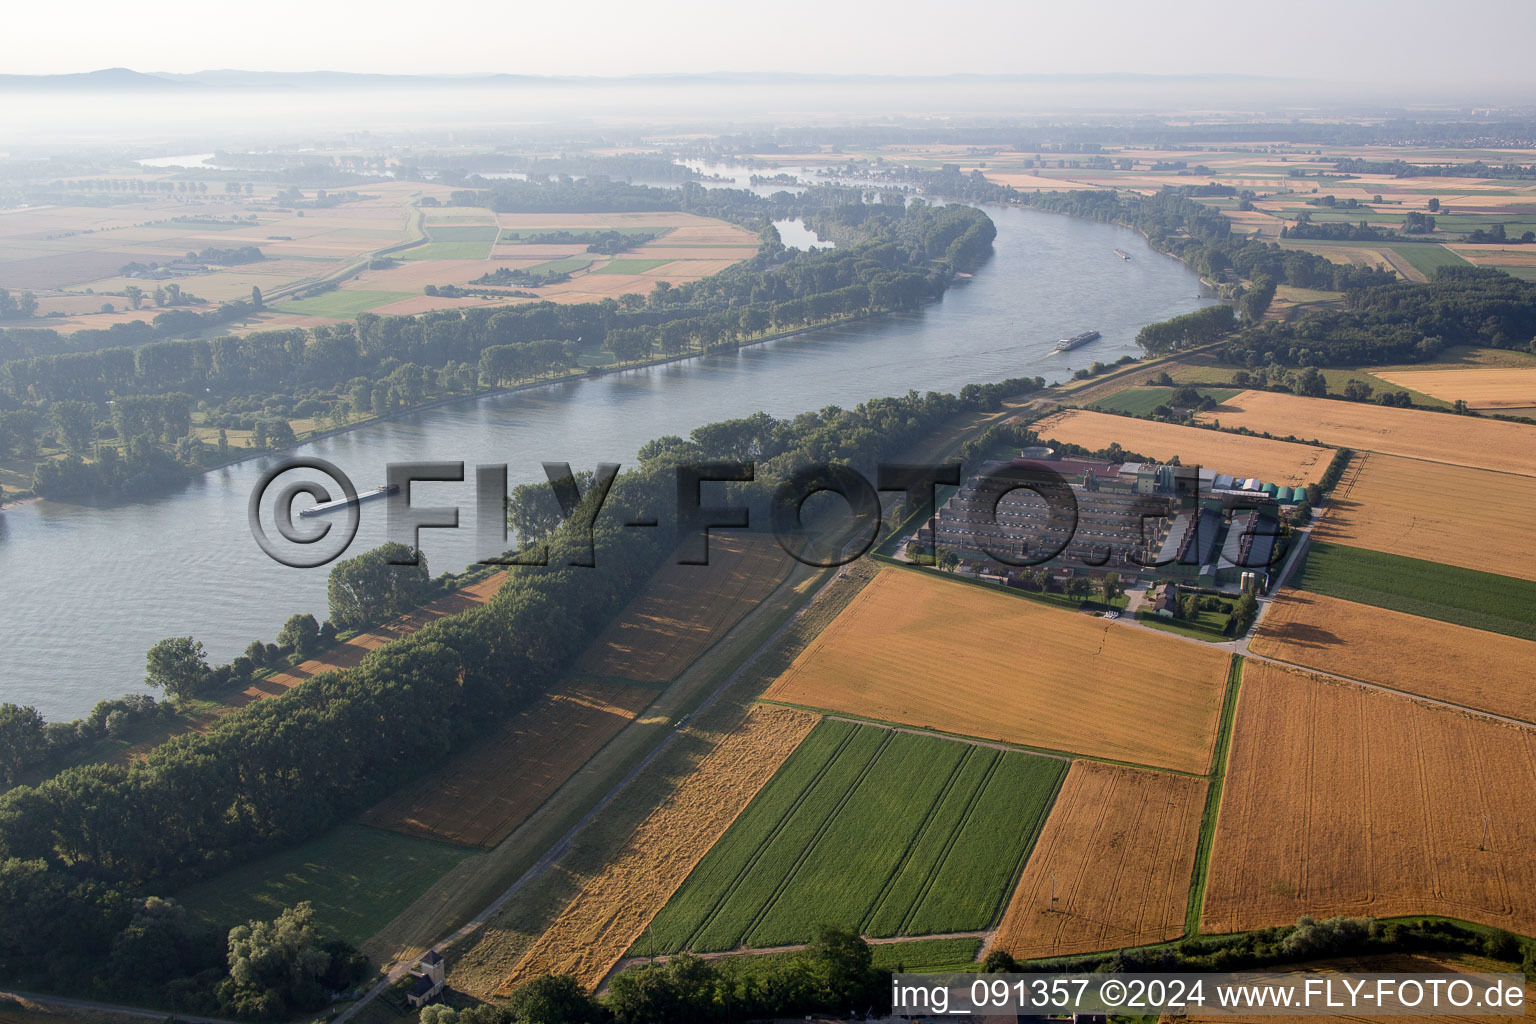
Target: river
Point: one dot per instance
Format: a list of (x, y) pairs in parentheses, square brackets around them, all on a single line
[(93, 588)]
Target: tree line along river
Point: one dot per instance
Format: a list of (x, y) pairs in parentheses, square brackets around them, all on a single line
[(91, 589)]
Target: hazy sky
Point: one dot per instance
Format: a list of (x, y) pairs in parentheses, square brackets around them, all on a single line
[(1423, 41)]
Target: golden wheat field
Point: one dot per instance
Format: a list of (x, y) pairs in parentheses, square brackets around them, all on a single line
[(926, 651), (1276, 462), (1480, 387), (685, 608), (592, 933), (1441, 513), (1120, 845), (1413, 433), (1487, 671), (1342, 799), (479, 797)]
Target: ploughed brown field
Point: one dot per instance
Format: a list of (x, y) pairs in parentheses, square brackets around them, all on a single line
[(1278, 462), (1473, 518), (686, 608), (921, 650), (1487, 671), (1120, 843), (1413, 433), (610, 913), (479, 797), (1342, 799)]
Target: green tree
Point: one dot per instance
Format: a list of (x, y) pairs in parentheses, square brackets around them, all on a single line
[(134, 295), (176, 665), (368, 588), (276, 966), (21, 741), (76, 423), (1109, 585), (300, 634), (554, 999), (947, 560)]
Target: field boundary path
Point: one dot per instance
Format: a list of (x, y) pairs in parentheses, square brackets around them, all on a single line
[(127, 1011), (985, 935)]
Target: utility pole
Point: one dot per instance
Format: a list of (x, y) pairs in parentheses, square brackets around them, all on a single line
[(1487, 822), (1053, 893)]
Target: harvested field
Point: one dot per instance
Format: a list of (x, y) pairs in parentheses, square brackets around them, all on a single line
[(1493, 388), (60, 270), (1434, 437), (478, 798), (921, 650), (1277, 462), (1440, 513), (1340, 799), (686, 608), (941, 828), (1405, 652), (1120, 843), (612, 910)]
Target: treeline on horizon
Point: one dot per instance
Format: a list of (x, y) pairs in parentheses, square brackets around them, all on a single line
[(81, 852), (889, 257)]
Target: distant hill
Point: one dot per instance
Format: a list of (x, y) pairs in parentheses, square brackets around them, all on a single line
[(123, 79), (107, 80)]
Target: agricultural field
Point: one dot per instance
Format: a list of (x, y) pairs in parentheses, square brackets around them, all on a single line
[(1470, 518), (942, 828), (627, 266), (1141, 401), (686, 608), (612, 910), (1463, 597), (343, 305), (358, 878), (1404, 652), (1118, 851), (479, 797), (1428, 257), (1412, 433), (1278, 462), (1495, 388), (920, 650), (1340, 799)]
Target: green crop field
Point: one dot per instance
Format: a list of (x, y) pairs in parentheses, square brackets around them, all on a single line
[(1141, 401), (629, 266), (1465, 597), (358, 878), (942, 829), (562, 266), (342, 304), (446, 251), (462, 232), (1428, 257)]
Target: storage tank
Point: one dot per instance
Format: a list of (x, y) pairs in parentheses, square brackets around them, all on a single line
[(1271, 490), (1285, 496), (1223, 481), (1251, 484)]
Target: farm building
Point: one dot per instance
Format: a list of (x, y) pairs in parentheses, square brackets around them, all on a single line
[(430, 974), (1190, 547), (1250, 546)]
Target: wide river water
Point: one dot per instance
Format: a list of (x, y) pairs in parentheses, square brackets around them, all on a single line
[(91, 589)]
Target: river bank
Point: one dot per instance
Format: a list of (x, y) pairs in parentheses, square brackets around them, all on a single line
[(185, 563)]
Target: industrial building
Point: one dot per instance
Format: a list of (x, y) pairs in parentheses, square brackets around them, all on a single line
[(1137, 519)]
